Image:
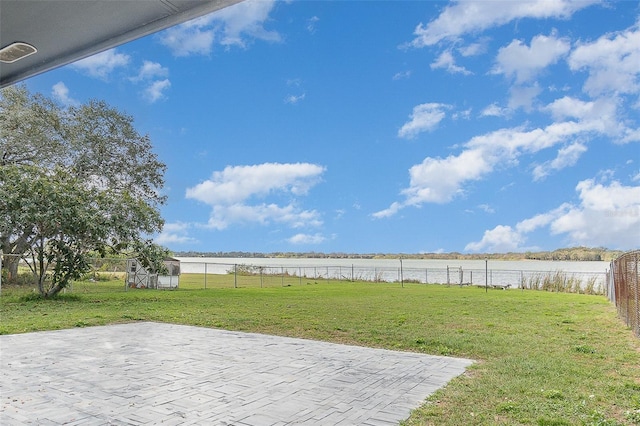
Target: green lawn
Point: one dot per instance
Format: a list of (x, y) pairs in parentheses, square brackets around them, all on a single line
[(542, 358)]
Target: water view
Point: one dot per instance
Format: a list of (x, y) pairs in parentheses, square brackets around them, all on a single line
[(496, 273)]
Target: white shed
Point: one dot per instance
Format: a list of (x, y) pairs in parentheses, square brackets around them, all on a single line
[(139, 277)]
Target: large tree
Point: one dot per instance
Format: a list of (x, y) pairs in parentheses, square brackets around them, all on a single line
[(83, 171)]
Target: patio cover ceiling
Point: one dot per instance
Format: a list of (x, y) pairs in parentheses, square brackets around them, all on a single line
[(64, 31)]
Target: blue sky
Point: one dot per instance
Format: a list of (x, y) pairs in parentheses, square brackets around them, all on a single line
[(386, 126)]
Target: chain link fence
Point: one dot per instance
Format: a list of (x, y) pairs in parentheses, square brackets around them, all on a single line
[(269, 275), (623, 288), (206, 274)]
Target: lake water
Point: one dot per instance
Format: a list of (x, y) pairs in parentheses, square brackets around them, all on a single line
[(494, 272)]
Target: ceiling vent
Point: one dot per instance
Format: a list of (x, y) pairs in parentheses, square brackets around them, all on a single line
[(15, 52)]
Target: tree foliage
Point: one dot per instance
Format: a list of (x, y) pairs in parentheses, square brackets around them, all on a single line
[(60, 217), (151, 256), (73, 181)]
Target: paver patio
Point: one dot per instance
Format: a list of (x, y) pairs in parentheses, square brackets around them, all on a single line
[(155, 373)]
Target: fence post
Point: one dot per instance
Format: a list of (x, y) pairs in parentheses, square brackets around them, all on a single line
[(235, 276), (401, 274), (486, 275), (282, 275), (261, 269), (352, 272), (635, 263), (205, 275)]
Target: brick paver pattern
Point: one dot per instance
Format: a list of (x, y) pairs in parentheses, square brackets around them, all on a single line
[(154, 373)]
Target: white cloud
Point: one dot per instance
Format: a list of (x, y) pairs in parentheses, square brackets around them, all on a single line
[(165, 239), (238, 183), (631, 135), (469, 16), (425, 117), (150, 70), (608, 215), (440, 180), (486, 208), (190, 38), (176, 227), (567, 156), (153, 75), (402, 75), (232, 192), (235, 25), (155, 90), (540, 220), (102, 64), (311, 24), (174, 233), (307, 239), (447, 62), (500, 239), (294, 99), (611, 61), (462, 115), (525, 62), (568, 107), (61, 93), (474, 49), (394, 208), (494, 110), (247, 18), (222, 216), (523, 97), (601, 114)]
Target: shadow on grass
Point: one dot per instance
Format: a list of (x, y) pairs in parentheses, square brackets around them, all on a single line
[(60, 297)]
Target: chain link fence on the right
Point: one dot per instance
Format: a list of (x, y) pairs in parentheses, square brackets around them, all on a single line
[(623, 288)]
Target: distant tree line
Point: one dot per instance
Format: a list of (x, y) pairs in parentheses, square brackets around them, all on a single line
[(575, 253)]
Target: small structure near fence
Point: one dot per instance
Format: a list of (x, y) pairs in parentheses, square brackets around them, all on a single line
[(139, 277), (623, 288)]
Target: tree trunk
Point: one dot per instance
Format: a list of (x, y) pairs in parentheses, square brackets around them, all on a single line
[(53, 291), (10, 264), (12, 251)]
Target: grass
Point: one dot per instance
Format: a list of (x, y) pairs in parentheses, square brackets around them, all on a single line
[(543, 358)]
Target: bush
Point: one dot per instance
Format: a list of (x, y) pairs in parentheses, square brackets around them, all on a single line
[(102, 276), (22, 279), (562, 282)]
